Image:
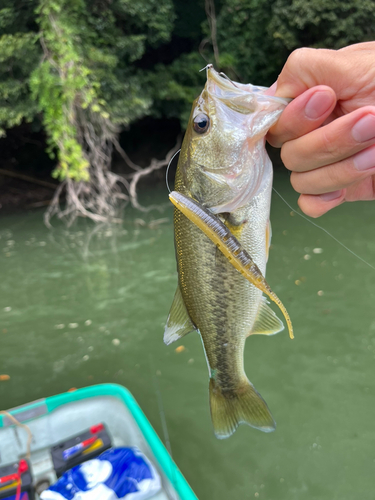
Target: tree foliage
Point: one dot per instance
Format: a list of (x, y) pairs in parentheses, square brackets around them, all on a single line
[(331, 24), (19, 56), (83, 64), (256, 36), (247, 47), (76, 64)]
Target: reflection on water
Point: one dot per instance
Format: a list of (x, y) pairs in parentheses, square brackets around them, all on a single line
[(88, 305)]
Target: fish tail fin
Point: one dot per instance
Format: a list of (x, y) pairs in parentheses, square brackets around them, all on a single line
[(243, 405)]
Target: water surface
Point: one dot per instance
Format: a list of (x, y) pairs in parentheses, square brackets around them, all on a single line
[(79, 307)]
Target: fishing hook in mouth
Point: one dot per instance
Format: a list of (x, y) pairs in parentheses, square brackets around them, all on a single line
[(209, 66), (169, 164)]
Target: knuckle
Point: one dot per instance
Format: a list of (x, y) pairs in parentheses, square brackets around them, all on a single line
[(339, 175), (288, 131), (285, 157), (274, 140), (304, 56), (334, 177), (296, 182), (310, 206), (298, 56), (365, 110), (329, 145)]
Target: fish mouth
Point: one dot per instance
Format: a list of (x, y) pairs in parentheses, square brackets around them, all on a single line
[(225, 89), (220, 79)]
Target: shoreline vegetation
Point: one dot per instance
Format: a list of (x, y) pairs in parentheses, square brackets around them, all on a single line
[(81, 82)]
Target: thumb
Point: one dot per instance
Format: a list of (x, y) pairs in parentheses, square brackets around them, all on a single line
[(305, 68)]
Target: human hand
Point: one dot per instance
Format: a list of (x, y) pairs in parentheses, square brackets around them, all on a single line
[(327, 133)]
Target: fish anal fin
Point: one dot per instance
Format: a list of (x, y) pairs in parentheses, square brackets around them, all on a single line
[(266, 322), (179, 323), (243, 405)]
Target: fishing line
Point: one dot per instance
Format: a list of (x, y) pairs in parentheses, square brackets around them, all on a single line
[(166, 173), (163, 422), (16, 422), (325, 230), (227, 78)]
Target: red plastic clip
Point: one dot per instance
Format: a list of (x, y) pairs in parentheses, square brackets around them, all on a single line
[(88, 442), (96, 428), (22, 467), (8, 479)]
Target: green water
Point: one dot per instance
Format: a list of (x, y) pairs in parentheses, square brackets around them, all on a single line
[(78, 308)]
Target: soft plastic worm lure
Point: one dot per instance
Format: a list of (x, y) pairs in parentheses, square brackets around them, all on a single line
[(220, 235)]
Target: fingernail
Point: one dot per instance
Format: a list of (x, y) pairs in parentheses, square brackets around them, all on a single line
[(271, 90), (318, 104), (364, 129), (331, 196), (365, 159)]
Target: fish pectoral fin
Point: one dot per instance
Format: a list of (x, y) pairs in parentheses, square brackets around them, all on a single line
[(266, 322), (179, 323), (241, 405)]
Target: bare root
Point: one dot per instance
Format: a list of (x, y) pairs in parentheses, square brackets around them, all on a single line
[(101, 198), (154, 165), (104, 196)]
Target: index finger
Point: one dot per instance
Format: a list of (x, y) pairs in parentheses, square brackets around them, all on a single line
[(304, 114), (305, 68)]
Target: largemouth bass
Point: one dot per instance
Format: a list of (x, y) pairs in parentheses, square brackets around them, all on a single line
[(224, 166)]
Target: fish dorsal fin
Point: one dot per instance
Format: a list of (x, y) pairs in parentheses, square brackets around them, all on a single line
[(266, 323), (179, 323)]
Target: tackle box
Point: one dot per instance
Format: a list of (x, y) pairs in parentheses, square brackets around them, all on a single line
[(80, 448), (10, 475)]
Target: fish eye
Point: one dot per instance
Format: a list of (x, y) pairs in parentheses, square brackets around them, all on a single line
[(201, 123)]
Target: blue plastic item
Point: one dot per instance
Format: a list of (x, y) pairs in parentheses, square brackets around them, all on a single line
[(119, 473), (24, 496)]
